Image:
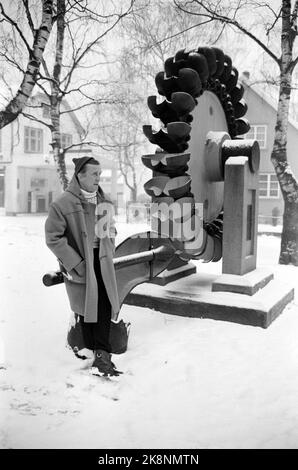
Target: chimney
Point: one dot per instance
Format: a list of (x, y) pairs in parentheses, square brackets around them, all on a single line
[(245, 77)]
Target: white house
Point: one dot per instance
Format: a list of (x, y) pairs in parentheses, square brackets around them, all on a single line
[(28, 177)]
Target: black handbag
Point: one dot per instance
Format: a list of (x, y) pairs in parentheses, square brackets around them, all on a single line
[(119, 333)]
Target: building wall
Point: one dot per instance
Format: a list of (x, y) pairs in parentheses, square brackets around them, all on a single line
[(37, 188), (260, 112), (29, 179)]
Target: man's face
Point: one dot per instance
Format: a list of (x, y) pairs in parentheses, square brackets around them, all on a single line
[(89, 179)]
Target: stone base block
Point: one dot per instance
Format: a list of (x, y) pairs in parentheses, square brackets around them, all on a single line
[(193, 297), (247, 284)]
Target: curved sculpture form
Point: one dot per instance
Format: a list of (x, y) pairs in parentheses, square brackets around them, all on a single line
[(202, 94)]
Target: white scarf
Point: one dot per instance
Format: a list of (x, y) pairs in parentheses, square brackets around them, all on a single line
[(90, 197)]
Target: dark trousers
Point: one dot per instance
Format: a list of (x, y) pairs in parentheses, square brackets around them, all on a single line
[(96, 335)]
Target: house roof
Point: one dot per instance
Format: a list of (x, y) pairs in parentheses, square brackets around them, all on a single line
[(268, 100)]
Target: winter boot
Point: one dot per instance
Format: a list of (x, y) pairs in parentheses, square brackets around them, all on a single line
[(104, 364)]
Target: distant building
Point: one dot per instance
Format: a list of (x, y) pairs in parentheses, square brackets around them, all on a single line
[(28, 178), (262, 117)]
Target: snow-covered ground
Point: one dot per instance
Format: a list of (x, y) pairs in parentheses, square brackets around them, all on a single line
[(267, 228), (187, 383)]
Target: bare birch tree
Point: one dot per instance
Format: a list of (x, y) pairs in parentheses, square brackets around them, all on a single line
[(35, 53), (80, 31), (73, 66)]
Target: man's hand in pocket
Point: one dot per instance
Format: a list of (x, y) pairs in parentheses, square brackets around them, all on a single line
[(78, 273)]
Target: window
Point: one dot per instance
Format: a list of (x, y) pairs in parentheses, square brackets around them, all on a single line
[(259, 133), (38, 182), (268, 186), (33, 140), (66, 140), (46, 110)]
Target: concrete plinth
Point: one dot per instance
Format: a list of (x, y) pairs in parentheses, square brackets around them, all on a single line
[(193, 297), (247, 284)]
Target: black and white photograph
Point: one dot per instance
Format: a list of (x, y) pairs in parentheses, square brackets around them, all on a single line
[(148, 227)]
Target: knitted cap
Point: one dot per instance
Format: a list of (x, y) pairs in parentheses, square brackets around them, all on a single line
[(80, 162)]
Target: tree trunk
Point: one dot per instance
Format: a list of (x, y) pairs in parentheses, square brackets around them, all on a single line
[(289, 239), (56, 98), (58, 153), (286, 178), (17, 104), (133, 194)]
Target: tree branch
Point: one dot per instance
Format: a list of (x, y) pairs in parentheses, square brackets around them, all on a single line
[(214, 16), (294, 63), (40, 40), (34, 118), (89, 47), (92, 103), (294, 17), (46, 70), (12, 61), (44, 90), (179, 33), (81, 144), (29, 17), (15, 25), (277, 17)]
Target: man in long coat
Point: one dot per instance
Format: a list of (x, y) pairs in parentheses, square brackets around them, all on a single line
[(80, 232)]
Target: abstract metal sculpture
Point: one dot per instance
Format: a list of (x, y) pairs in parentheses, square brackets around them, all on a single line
[(202, 160)]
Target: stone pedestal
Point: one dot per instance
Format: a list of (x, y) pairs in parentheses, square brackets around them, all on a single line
[(243, 293), (240, 217), (194, 297)]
